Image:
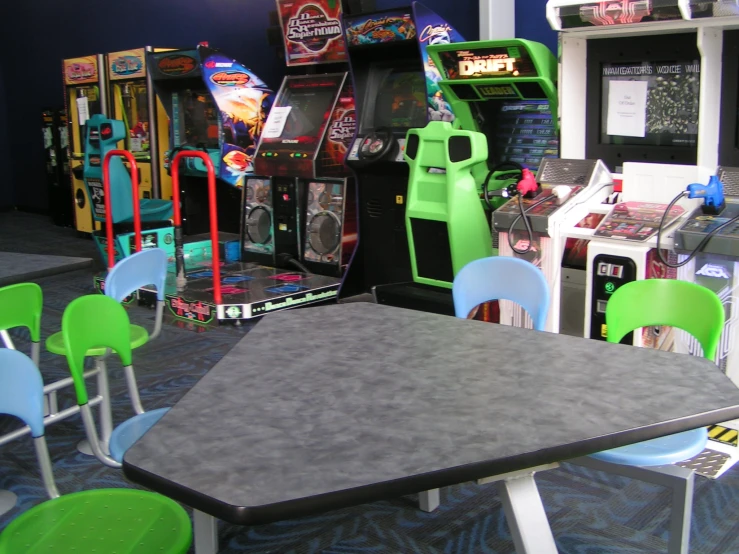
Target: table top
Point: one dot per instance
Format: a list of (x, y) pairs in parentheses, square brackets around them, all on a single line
[(332, 406)]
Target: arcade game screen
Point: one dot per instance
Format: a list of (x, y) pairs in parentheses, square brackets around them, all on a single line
[(200, 120), (521, 131), (399, 99), (310, 108), (650, 103)]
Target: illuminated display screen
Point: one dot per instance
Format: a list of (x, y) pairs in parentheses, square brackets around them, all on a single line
[(401, 100), (669, 111), (521, 131)]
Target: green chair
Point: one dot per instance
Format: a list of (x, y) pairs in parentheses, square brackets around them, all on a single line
[(99, 323), (695, 310), (102, 520)]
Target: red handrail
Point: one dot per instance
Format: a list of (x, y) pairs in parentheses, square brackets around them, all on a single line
[(212, 208), (108, 210)]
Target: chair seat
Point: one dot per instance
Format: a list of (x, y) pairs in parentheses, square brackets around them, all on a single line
[(658, 452), (131, 430), (153, 209), (101, 520), (55, 343)]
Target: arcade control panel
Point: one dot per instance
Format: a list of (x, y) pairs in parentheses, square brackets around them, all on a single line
[(726, 241), (561, 181), (360, 142)]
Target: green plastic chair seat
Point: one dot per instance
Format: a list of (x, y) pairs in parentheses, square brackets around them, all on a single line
[(55, 343), (104, 521)]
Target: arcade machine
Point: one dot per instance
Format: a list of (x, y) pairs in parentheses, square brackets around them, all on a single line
[(134, 102), (396, 90), (506, 90), (56, 143), (300, 215), (215, 105), (646, 100), (86, 94), (707, 246)]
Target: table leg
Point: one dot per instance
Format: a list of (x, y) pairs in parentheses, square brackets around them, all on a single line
[(526, 517), (7, 501), (428, 501), (206, 533)]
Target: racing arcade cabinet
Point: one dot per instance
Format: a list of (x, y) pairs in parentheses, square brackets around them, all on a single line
[(396, 90)]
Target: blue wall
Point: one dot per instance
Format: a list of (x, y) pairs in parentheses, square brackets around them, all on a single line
[(39, 38)]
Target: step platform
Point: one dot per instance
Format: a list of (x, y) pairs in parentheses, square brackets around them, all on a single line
[(248, 291)]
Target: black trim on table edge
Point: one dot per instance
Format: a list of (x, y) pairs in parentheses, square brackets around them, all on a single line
[(258, 515)]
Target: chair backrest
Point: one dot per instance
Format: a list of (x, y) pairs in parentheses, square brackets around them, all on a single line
[(22, 390), (94, 321), (148, 267), (502, 278), (650, 302), (21, 307)]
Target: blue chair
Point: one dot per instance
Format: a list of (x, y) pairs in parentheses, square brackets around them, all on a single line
[(157, 523), (496, 278), (148, 267), (648, 303), (502, 278)]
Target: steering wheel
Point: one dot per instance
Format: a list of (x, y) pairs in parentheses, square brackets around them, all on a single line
[(377, 145), (507, 168)]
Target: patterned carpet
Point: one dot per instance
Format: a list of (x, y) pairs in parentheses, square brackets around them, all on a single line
[(590, 512)]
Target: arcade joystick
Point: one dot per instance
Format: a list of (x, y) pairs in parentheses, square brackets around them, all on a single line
[(712, 194), (527, 186)]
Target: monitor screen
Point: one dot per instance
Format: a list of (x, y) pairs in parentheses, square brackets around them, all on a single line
[(650, 103), (396, 99), (520, 131), (310, 109), (200, 119)]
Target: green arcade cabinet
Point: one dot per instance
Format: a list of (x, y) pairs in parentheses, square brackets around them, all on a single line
[(503, 94)]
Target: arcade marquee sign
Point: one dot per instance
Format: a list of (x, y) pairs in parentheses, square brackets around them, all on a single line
[(487, 63)]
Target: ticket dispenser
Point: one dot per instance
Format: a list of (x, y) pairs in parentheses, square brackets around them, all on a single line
[(445, 221)]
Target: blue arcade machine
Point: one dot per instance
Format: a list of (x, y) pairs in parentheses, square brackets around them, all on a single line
[(102, 135)]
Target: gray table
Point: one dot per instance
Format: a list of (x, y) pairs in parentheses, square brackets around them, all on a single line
[(322, 408)]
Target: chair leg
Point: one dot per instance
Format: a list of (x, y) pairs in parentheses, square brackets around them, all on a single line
[(7, 501), (678, 479), (428, 501), (106, 411), (526, 517), (205, 532), (133, 390)]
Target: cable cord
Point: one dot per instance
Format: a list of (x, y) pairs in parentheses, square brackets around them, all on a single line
[(698, 249), (526, 222)]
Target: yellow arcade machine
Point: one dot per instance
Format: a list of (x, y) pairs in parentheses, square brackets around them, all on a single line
[(86, 94), (133, 101)]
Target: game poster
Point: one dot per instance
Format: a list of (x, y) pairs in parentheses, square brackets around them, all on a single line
[(432, 29), (244, 101), (128, 64), (80, 71), (311, 30), (389, 26)]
